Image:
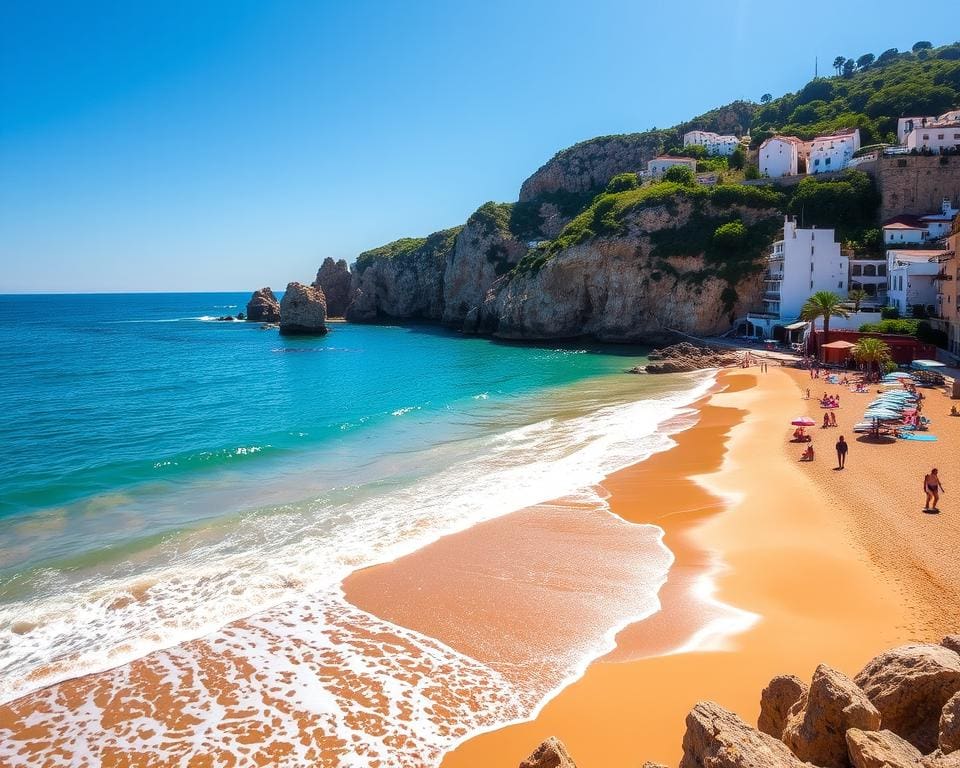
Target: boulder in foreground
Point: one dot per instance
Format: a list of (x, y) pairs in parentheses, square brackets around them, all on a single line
[(263, 307), (716, 738), (949, 737), (775, 702), (817, 723), (550, 754), (880, 749), (910, 685), (303, 310)]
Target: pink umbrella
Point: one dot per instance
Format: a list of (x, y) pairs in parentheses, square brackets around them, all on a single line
[(803, 421)]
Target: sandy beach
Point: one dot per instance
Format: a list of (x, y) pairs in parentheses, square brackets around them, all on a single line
[(836, 566)]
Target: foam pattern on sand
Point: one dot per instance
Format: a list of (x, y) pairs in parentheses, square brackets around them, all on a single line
[(318, 682)]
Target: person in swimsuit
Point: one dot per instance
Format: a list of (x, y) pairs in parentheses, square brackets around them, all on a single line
[(933, 488), (841, 452)]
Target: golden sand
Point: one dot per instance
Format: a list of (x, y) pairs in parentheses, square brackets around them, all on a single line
[(804, 549)]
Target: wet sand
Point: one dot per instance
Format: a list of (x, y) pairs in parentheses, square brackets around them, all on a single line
[(730, 493)]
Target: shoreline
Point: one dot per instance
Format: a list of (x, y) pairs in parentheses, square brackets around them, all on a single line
[(784, 556)]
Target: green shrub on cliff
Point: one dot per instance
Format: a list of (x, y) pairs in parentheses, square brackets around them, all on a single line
[(435, 245), (622, 182), (847, 204), (680, 174)]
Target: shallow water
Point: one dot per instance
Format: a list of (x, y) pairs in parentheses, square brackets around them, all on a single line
[(166, 474)]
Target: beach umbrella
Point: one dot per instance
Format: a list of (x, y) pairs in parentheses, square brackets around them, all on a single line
[(803, 421)]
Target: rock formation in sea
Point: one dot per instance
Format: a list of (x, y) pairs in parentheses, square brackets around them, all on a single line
[(263, 307), (684, 357), (902, 710), (334, 279), (303, 310)]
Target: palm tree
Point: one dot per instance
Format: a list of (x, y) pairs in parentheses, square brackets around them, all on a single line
[(871, 352), (838, 63), (857, 295), (825, 304)]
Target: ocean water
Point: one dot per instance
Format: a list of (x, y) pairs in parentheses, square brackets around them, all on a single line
[(165, 474)]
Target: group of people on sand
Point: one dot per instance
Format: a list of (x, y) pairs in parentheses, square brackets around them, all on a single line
[(830, 401), (829, 419), (842, 446)]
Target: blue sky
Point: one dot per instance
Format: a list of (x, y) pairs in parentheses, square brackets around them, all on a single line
[(226, 145)]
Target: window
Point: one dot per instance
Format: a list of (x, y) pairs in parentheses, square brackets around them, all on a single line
[(827, 161), (840, 284), (926, 136), (940, 136)]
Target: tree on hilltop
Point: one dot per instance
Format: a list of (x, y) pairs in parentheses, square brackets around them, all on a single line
[(922, 45), (838, 63), (865, 61), (888, 55), (848, 67), (766, 98)]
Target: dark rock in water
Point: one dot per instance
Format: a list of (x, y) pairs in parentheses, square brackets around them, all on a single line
[(334, 279), (225, 319), (910, 685), (685, 357), (241, 316), (550, 754), (303, 311), (263, 307)]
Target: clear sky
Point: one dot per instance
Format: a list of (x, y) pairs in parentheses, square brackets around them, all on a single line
[(226, 145)]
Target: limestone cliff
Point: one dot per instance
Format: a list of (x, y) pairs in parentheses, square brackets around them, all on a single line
[(334, 279), (402, 280), (680, 262), (485, 249), (589, 165)]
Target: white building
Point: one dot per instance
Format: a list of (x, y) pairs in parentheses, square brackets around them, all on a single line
[(780, 156), (914, 230), (804, 262), (659, 165), (935, 138), (834, 151), (911, 278), (714, 143), (931, 134)]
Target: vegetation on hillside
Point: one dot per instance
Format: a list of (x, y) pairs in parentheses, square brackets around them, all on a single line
[(410, 248)]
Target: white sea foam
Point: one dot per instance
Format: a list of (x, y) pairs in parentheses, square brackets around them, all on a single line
[(269, 562)]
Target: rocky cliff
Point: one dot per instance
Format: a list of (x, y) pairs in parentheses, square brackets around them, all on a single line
[(484, 250), (589, 165), (334, 279), (403, 279), (635, 267)]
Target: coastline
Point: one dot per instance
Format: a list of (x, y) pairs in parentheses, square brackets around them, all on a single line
[(735, 495)]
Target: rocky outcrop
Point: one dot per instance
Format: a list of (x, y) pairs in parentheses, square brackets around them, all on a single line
[(402, 280), (952, 642), (716, 738), (619, 288), (685, 357), (775, 702), (550, 754), (817, 722), (909, 686), (485, 250), (303, 310), (880, 749), (334, 279), (589, 165), (263, 307), (948, 738)]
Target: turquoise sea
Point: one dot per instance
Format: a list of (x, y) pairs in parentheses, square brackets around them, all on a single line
[(165, 473)]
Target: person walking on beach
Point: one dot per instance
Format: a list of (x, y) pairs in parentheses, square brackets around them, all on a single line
[(841, 452), (932, 488)]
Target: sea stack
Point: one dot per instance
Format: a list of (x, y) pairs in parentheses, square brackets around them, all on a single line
[(334, 279), (263, 307), (303, 311)]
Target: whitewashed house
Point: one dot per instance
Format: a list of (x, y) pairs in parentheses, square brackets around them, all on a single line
[(834, 151), (914, 230), (714, 143), (803, 262), (940, 224), (870, 276), (660, 165), (912, 278), (780, 156), (935, 137)]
